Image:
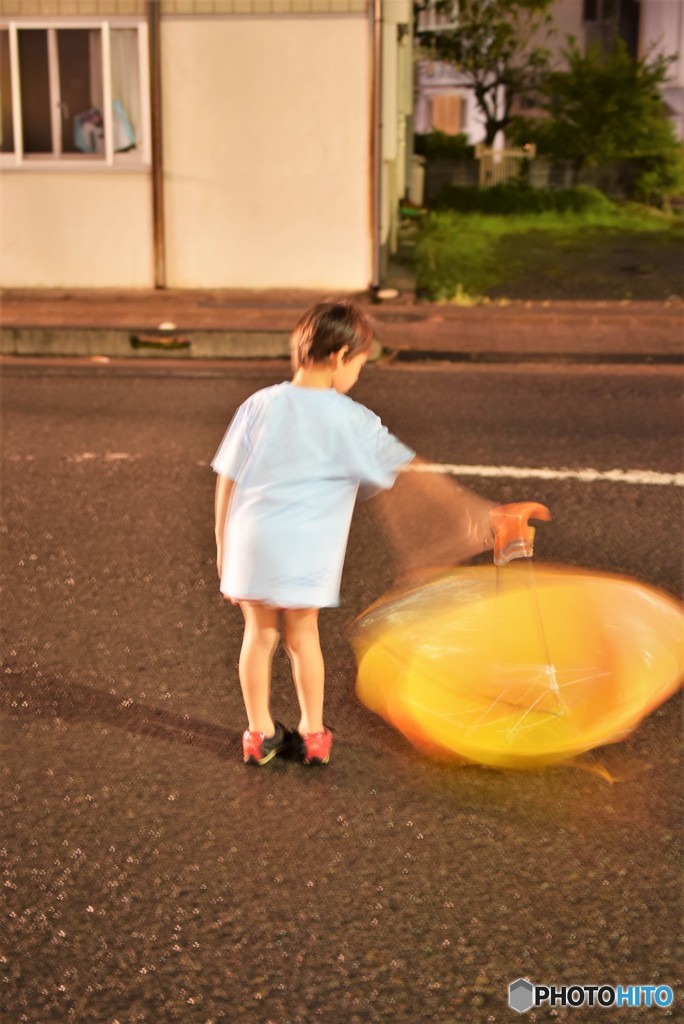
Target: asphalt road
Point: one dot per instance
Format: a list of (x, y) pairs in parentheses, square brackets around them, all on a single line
[(148, 876)]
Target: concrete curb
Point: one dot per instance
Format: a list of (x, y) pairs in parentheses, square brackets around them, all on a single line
[(118, 343), (235, 325), (146, 344)]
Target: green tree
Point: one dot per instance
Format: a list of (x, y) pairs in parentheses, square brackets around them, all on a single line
[(492, 44), (608, 106)]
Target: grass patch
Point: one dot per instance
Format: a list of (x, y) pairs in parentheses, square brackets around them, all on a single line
[(608, 253), (518, 198)]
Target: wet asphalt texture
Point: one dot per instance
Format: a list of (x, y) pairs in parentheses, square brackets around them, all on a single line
[(149, 876)]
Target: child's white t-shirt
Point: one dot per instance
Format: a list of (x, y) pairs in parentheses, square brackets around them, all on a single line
[(298, 457)]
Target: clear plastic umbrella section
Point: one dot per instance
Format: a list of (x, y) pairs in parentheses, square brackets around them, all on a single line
[(518, 666)]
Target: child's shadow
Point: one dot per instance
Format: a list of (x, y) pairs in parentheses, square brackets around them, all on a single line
[(23, 696)]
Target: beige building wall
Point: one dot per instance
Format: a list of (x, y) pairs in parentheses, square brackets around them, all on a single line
[(267, 152), (662, 32), (81, 229), (567, 21)]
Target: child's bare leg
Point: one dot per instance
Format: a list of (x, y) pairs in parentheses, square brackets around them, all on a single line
[(258, 646), (308, 671)]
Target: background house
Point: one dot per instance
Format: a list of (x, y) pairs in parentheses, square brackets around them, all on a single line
[(444, 103), (202, 143)]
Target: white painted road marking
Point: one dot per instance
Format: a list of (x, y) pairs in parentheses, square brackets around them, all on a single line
[(640, 477)]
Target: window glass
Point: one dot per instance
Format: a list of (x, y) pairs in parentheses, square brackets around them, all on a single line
[(35, 90), (6, 125), (64, 75), (80, 90), (590, 10)]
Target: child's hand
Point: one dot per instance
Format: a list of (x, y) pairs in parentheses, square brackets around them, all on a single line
[(512, 535), (219, 558)]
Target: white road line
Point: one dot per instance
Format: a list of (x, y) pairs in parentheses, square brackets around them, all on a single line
[(640, 477)]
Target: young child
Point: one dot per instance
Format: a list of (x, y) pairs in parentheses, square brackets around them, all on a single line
[(289, 469)]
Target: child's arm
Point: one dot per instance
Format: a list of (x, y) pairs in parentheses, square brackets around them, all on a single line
[(432, 521), (224, 490)]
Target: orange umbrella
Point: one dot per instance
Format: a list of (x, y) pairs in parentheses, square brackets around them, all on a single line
[(515, 668)]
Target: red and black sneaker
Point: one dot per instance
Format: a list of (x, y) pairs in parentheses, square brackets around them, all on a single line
[(315, 747), (259, 749)]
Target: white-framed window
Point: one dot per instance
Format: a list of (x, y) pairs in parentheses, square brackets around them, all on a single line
[(74, 93)]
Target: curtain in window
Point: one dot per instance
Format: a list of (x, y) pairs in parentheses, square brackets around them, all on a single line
[(125, 88)]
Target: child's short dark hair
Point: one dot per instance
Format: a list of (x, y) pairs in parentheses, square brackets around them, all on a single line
[(328, 327)]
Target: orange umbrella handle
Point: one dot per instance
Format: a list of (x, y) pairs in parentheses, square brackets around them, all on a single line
[(513, 537)]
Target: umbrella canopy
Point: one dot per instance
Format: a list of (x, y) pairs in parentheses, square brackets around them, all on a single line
[(522, 667)]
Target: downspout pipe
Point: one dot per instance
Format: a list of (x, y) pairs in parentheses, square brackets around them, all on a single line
[(157, 153), (376, 139)]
